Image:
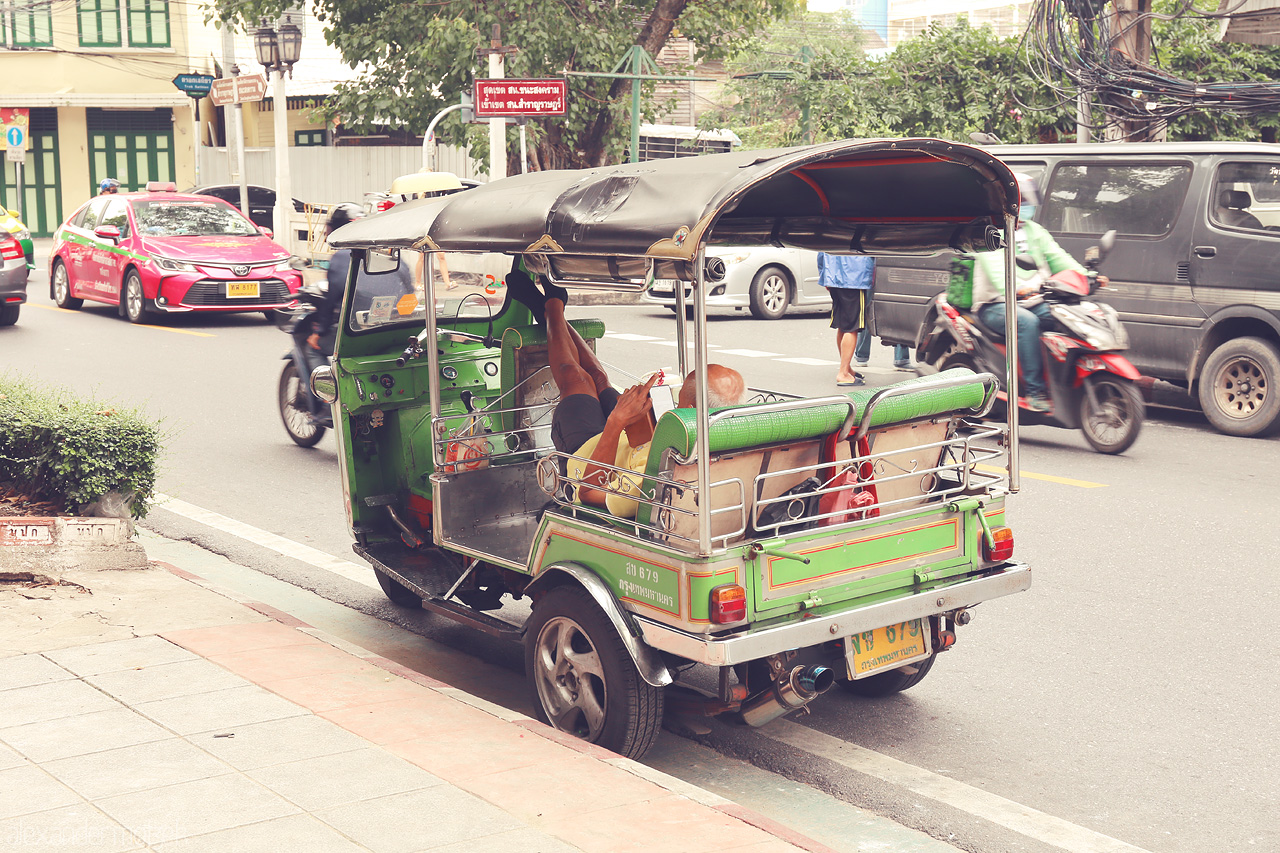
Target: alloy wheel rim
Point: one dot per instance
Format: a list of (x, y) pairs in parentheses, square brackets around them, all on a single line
[(1241, 388), (569, 676), (60, 290), (775, 293), (133, 299)]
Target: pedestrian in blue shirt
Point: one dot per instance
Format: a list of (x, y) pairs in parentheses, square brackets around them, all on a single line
[(848, 279)]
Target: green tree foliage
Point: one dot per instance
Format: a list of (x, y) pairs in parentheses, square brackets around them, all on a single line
[(1189, 48), (422, 56), (948, 82)]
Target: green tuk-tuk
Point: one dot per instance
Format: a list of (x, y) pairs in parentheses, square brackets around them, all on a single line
[(790, 543)]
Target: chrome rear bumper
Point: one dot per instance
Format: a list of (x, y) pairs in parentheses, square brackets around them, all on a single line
[(740, 648)]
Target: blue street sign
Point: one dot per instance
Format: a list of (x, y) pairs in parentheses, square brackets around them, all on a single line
[(195, 85), (17, 137)]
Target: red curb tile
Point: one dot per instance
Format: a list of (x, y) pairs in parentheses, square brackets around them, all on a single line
[(453, 755), (277, 663), (276, 614), (238, 637), (360, 685), (581, 785), (405, 672), (666, 824), (427, 714), (172, 569), (784, 833), (565, 739)]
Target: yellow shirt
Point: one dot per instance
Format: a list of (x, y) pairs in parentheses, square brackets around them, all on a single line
[(621, 500)]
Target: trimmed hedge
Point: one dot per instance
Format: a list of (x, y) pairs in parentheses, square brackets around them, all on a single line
[(76, 451)]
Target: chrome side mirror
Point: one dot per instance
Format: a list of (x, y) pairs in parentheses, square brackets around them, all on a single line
[(323, 383)]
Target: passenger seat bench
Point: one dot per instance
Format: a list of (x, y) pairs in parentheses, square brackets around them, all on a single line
[(759, 439)]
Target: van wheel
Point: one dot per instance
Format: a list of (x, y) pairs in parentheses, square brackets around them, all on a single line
[(1238, 391), (581, 678), (893, 681), (770, 293)]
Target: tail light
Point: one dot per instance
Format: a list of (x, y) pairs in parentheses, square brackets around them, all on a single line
[(728, 604), (10, 248), (384, 204), (1000, 546)]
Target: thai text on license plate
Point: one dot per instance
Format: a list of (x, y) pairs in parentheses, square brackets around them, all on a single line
[(242, 289), (889, 647)]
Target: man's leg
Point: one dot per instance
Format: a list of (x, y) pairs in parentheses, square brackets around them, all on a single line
[(862, 349), (1029, 353), (846, 343), (563, 352)]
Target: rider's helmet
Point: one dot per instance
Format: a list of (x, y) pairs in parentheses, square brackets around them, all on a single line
[(342, 214), (1029, 194), (108, 185)]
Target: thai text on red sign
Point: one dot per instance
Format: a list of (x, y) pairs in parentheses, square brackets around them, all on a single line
[(502, 98)]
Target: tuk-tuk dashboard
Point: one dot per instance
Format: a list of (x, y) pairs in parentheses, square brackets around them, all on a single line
[(379, 381)]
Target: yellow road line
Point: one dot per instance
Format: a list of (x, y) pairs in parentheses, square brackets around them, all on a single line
[(1066, 481), (140, 325)]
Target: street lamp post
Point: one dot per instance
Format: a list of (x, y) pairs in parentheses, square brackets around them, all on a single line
[(277, 52)]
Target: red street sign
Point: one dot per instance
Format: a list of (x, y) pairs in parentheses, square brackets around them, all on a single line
[(235, 90), (502, 98)]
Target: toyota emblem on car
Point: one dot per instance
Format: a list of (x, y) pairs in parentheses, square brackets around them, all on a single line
[(241, 270)]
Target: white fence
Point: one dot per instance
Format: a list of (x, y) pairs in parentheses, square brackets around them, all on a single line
[(331, 175)]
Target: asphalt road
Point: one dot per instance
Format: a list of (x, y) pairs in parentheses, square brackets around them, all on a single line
[(1129, 694)]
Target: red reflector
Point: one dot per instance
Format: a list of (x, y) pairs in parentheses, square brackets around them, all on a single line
[(945, 640), (385, 204), (728, 604), (1003, 547)]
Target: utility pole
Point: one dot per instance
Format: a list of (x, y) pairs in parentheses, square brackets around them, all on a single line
[(235, 118), (497, 53), (1133, 26)]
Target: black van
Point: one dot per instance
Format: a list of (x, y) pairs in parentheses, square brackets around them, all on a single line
[(1195, 272)]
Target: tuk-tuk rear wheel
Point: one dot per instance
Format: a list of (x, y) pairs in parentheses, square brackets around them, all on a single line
[(893, 681), (396, 592), (581, 678)]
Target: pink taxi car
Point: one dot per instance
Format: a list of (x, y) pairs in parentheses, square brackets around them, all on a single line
[(165, 252)]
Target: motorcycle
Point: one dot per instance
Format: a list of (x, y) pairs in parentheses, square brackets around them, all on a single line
[(305, 416), (1092, 386)]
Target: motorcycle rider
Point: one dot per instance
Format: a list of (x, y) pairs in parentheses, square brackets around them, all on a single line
[(108, 186), (1034, 240)]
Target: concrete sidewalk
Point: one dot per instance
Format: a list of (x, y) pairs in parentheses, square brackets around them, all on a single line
[(145, 710)]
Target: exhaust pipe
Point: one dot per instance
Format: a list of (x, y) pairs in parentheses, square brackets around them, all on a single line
[(794, 690)]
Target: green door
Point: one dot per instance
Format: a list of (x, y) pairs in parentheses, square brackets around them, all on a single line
[(132, 146), (41, 201)]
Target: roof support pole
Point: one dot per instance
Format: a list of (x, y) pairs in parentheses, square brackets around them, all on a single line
[(703, 408), (1011, 343)]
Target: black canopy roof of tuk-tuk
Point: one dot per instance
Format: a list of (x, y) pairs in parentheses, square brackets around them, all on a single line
[(879, 197)]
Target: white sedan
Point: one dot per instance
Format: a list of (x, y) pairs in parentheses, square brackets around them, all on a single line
[(767, 280)]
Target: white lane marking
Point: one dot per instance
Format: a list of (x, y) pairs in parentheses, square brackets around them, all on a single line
[(750, 353), (809, 362), (1021, 819), (271, 541), (688, 345), (629, 336)]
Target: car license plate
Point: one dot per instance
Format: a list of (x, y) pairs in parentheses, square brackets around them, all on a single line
[(889, 647), (242, 290), (663, 285)]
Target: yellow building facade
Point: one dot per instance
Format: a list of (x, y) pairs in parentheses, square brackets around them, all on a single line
[(96, 80)]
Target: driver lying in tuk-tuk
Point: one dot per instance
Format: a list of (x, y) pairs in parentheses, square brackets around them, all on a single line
[(592, 419)]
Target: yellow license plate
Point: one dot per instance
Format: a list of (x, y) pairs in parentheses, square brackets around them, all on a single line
[(889, 647), (242, 289)]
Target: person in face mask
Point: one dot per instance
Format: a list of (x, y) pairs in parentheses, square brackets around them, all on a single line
[(1035, 241)]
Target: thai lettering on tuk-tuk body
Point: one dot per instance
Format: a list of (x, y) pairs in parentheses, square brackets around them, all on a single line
[(792, 544)]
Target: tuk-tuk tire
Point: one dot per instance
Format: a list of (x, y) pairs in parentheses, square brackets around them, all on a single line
[(396, 592), (888, 683), (632, 707)]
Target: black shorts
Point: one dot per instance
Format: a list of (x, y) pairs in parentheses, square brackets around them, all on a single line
[(578, 417), (848, 308)]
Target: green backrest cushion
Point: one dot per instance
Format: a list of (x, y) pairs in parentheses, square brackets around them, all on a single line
[(678, 428)]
